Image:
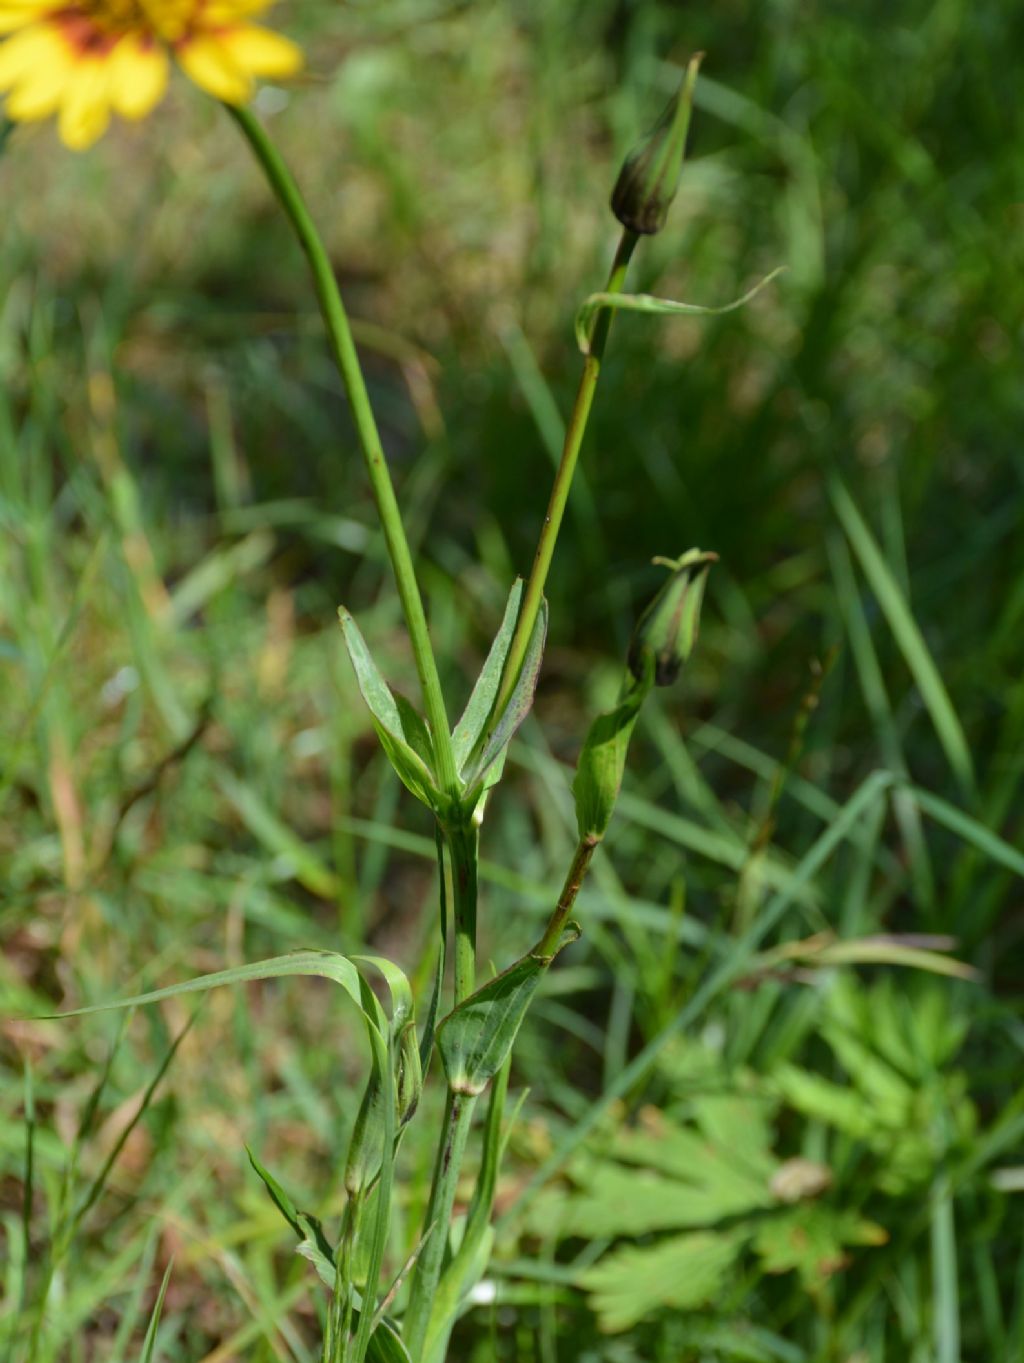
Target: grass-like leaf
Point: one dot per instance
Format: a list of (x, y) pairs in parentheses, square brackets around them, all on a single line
[(309, 870), (149, 1343), (647, 303), (518, 707), (964, 826), (99, 1182), (467, 732), (328, 965), (278, 1196), (907, 634), (402, 732)]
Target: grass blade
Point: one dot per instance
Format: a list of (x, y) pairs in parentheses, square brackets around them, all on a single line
[(328, 965), (945, 1286), (99, 1182), (478, 708), (970, 830), (149, 1343), (307, 868), (907, 634)]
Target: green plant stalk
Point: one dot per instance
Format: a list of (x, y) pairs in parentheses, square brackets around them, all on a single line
[(575, 431), (339, 1315), (462, 841), (582, 857), (463, 846), (346, 357), (381, 1216), (477, 1219), (458, 1118)]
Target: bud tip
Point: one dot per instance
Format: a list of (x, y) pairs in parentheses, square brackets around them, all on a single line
[(649, 176)]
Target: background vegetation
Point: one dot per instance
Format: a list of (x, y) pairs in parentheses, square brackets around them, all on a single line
[(188, 778)]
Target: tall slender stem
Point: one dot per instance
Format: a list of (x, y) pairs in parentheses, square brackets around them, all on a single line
[(458, 1117), (585, 849), (463, 845), (343, 348), (574, 434), (462, 841), (341, 1320)]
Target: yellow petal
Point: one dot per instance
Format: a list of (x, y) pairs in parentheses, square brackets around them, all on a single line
[(138, 76), (38, 94), (16, 14), (85, 105), (217, 13), (11, 19), (261, 52), (28, 53), (205, 60)]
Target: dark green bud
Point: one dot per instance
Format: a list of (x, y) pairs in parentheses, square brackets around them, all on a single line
[(667, 631), (649, 176)]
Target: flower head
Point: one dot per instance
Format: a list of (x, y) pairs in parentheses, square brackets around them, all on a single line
[(85, 59)]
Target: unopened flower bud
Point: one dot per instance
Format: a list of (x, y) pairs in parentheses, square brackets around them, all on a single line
[(649, 176), (667, 630)]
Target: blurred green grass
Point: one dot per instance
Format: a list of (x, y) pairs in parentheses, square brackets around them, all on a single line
[(186, 775)]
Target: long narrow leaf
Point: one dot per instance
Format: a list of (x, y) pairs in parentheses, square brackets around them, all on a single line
[(328, 965), (467, 732), (27, 1183), (970, 830), (518, 707), (149, 1343), (307, 868), (907, 634), (99, 1182), (398, 987), (401, 730), (277, 1195), (132, 1309), (945, 1275), (645, 302)]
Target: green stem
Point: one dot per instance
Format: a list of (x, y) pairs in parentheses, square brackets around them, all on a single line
[(585, 849), (342, 1321), (463, 846), (458, 1117), (574, 434), (343, 348), (462, 842), (381, 1215)]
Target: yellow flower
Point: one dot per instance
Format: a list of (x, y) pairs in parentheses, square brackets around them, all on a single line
[(84, 59)]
